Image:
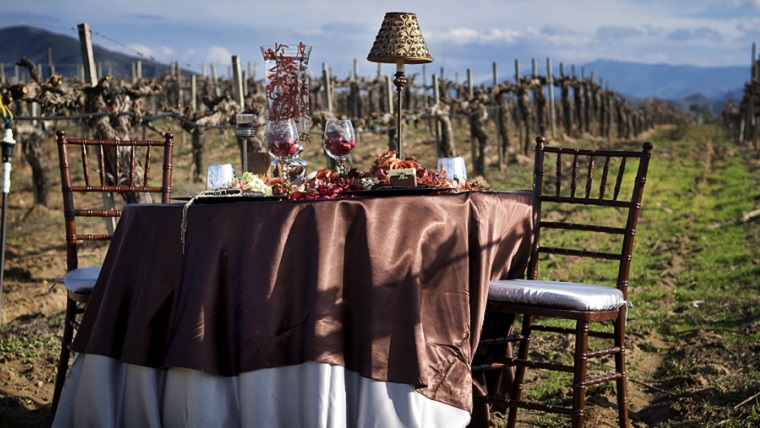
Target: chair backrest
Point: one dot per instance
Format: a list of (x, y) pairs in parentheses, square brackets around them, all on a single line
[(89, 168), (603, 184)]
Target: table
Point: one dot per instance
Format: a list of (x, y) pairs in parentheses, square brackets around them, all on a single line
[(350, 312)]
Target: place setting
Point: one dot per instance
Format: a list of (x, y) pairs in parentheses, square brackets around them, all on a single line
[(389, 174)]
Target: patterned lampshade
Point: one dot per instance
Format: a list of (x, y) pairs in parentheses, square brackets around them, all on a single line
[(400, 41)]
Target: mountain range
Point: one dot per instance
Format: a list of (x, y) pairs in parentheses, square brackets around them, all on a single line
[(35, 43), (672, 81), (684, 85)]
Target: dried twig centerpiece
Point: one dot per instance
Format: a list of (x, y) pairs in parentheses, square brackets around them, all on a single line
[(287, 94), (287, 84), (400, 42)]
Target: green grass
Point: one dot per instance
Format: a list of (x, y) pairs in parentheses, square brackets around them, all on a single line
[(694, 199), (696, 268), (25, 347)]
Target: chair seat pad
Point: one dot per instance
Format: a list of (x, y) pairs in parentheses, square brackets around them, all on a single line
[(81, 280), (566, 295)]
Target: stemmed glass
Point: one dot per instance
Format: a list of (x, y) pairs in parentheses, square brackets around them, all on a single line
[(340, 141), (283, 145), (282, 138)]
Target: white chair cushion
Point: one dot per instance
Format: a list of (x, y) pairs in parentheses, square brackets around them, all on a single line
[(82, 279), (567, 295)]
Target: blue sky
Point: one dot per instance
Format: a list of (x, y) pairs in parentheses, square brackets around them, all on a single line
[(460, 35)]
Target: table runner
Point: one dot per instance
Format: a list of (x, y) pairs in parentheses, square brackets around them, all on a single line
[(393, 288)]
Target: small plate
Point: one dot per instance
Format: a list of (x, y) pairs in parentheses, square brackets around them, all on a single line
[(398, 191)]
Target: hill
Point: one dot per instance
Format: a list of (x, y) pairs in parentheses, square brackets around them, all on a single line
[(671, 82), (33, 42)]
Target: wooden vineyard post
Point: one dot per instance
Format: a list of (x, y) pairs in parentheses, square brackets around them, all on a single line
[(355, 98), (586, 102), (750, 121), (388, 95), (51, 66), (193, 94), (215, 82), (518, 115), (431, 121), (239, 99), (552, 112), (179, 91), (437, 103), (540, 102), (246, 76), (88, 63), (469, 83), (237, 80), (755, 78), (328, 90), (497, 119)]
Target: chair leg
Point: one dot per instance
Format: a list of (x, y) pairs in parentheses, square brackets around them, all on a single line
[(517, 386), (63, 360), (579, 373), (622, 388)]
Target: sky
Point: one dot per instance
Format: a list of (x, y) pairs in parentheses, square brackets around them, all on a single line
[(461, 35)]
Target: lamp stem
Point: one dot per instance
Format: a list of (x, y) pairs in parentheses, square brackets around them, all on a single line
[(400, 82)]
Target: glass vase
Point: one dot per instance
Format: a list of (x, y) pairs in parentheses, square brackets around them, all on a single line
[(287, 84)]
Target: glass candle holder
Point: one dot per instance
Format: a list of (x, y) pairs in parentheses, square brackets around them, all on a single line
[(219, 175)]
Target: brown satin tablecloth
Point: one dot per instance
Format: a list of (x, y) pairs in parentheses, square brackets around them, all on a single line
[(393, 288)]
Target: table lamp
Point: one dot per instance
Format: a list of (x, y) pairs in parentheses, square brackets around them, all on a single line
[(400, 42)]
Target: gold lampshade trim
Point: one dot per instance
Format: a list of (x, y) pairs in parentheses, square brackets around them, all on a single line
[(400, 40)]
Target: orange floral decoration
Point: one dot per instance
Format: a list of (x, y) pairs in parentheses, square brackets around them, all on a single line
[(328, 184)]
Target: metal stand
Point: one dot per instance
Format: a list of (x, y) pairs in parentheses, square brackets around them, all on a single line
[(7, 149)]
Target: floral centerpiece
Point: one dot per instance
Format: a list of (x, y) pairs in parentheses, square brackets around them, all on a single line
[(330, 184), (263, 185), (288, 119), (287, 84)]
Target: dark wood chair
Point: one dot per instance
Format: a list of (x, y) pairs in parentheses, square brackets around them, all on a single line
[(588, 206), (83, 183)]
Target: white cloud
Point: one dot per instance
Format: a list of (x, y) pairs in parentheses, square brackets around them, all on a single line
[(217, 55), (158, 53), (615, 32), (749, 26), (463, 35), (695, 34), (742, 4)]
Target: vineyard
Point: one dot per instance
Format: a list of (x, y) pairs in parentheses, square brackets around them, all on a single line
[(681, 376), (502, 118)]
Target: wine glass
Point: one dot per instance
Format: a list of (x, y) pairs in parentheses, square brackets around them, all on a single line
[(282, 139), (340, 141)]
